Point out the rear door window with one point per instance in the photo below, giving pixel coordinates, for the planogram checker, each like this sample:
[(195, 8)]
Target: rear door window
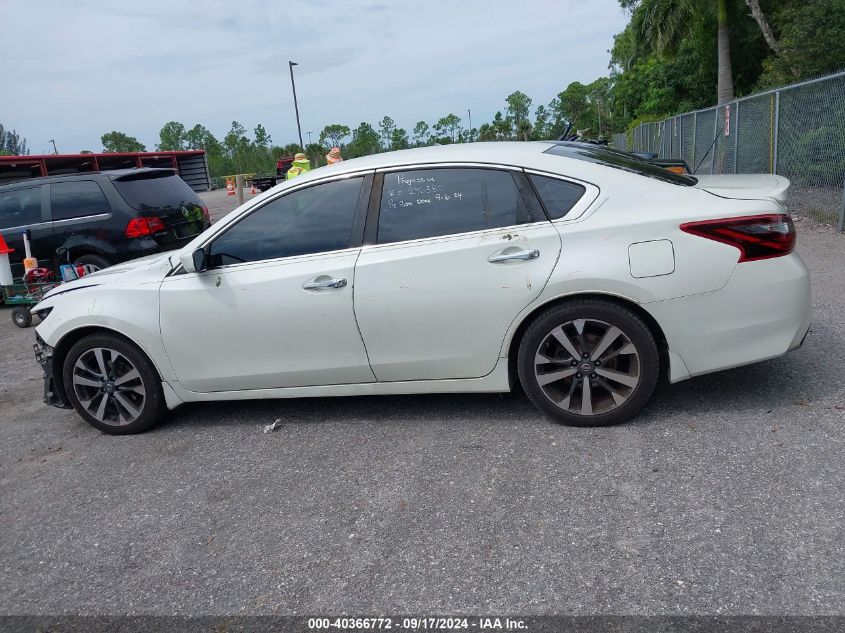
[(148, 191), (77, 199), (20, 207), (558, 196), (422, 203)]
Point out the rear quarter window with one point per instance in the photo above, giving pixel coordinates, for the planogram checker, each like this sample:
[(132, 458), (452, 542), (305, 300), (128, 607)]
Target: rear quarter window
[(148, 191), (558, 196)]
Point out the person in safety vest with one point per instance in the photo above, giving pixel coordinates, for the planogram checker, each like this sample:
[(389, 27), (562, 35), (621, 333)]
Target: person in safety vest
[(334, 156), (300, 165)]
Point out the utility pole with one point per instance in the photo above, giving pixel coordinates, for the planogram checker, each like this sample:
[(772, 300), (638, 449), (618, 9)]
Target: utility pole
[(55, 151), (309, 137), (469, 113), (295, 104)]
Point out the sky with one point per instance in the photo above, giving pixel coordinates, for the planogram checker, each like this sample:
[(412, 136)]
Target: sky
[(75, 69)]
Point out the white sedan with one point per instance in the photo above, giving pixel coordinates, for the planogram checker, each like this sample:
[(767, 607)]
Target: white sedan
[(580, 273)]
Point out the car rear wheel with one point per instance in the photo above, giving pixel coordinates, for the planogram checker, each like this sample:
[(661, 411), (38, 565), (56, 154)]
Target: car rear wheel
[(588, 363), (112, 385), (96, 262)]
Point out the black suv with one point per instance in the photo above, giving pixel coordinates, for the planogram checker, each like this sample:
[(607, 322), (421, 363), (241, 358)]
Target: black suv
[(99, 218)]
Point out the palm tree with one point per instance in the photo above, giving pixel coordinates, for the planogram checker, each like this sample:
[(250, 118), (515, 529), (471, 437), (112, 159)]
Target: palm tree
[(663, 25)]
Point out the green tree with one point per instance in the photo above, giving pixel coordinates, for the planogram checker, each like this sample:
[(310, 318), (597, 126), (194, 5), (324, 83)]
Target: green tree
[(316, 154), (569, 107), (386, 127), (333, 135), (811, 41), (599, 94), (447, 128), (468, 136), (486, 132), (198, 137), (766, 29), (120, 142), (365, 141), (288, 150), (541, 123), (171, 137), (399, 139), (421, 133), (262, 138), (502, 127), (11, 144), (519, 106), (663, 25), (237, 145)]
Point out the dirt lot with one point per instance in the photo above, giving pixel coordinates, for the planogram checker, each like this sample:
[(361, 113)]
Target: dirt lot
[(725, 495)]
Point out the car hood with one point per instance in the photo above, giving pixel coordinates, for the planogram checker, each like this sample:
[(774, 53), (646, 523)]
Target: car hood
[(746, 186), (148, 262), (143, 269)]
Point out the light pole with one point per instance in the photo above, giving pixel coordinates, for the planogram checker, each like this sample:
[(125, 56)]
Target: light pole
[(469, 113), (295, 104), (55, 151)]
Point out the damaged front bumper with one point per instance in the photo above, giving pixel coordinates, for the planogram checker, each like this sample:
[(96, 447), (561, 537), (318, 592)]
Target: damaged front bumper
[(53, 394)]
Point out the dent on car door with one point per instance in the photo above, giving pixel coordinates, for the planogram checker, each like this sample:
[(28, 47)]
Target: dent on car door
[(274, 309), (24, 209), (457, 253)]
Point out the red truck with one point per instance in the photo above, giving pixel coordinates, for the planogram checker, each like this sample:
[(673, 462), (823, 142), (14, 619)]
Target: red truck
[(268, 182)]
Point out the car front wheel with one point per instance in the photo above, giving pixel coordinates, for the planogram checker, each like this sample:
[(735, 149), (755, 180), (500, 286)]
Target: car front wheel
[(588, 363), (112, 385)]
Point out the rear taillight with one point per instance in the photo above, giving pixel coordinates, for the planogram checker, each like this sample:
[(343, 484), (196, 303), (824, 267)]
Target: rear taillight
[(756, 236), (141, 227), (205, 215)]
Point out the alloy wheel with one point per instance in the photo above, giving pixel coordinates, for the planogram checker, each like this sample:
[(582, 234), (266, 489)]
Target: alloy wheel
[(587, 367), (109, 387)]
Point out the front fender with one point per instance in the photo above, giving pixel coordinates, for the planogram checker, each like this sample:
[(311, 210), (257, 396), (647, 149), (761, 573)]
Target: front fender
[(131, 311)]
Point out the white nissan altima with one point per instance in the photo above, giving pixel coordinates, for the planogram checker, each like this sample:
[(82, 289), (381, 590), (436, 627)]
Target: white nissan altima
[(580, 273)]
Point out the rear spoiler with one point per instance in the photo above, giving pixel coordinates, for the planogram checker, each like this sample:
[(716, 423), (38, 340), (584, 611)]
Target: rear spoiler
[(145, 173)]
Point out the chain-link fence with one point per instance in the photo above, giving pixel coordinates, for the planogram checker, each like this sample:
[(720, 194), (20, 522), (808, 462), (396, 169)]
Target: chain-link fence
[(797, 131)]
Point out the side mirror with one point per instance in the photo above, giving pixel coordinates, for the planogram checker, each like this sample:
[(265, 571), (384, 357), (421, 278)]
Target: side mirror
[(194, 262)]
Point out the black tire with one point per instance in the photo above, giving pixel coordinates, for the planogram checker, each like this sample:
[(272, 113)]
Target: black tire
[(21, 317), (91, 259), (151, 408), (596, 311)]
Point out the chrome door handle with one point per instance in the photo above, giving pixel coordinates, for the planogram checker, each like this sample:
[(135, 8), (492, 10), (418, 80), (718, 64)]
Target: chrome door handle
[(324, 283), (532, 254)]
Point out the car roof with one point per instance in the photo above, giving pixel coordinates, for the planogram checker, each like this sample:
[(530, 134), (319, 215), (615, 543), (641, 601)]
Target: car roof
[(110, 174), (494, 152), (520, 154)]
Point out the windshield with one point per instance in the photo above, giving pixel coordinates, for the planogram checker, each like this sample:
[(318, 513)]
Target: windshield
[(603, 155)]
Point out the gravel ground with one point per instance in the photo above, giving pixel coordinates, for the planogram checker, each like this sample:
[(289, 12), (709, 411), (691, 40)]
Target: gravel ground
[(725, 495)]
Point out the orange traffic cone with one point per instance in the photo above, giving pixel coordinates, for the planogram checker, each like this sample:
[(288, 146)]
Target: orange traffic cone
[(230, 187)]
